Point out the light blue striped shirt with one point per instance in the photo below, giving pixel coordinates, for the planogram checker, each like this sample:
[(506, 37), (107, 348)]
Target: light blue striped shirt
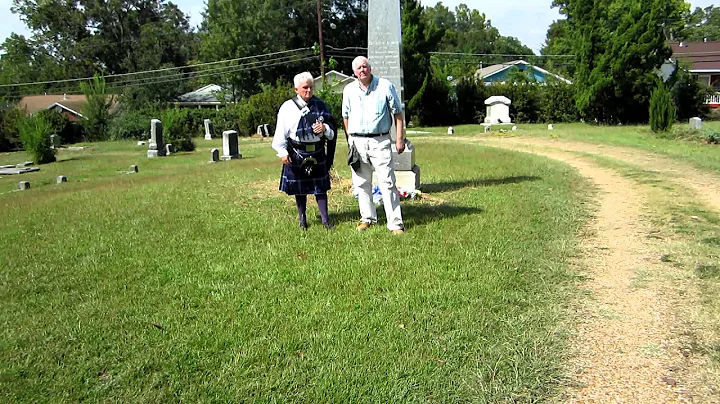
[(370, 111)]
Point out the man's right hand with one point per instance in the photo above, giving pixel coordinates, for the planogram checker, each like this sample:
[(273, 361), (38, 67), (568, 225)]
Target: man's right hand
[(285, 160)]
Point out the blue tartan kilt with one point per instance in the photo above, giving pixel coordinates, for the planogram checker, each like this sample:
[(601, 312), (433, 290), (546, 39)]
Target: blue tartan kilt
[(295, 181)]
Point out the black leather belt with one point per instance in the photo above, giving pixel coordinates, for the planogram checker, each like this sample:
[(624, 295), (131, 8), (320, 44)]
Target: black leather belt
[(370, 134)]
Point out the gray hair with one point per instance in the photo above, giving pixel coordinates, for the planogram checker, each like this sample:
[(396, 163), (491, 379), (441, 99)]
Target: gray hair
[(301, 78), (360, 60)]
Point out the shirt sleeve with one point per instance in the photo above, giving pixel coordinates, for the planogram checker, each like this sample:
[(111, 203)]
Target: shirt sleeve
[(346, 103), (393, 99), (279, 142)]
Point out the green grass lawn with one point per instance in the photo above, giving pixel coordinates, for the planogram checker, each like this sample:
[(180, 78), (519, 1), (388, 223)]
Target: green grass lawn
[(190, 281)]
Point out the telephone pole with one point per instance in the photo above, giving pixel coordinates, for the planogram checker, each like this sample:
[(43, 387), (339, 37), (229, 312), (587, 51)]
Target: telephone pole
[(320, 41)]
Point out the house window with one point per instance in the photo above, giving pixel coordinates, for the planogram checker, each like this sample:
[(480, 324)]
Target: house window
[(715, 82)]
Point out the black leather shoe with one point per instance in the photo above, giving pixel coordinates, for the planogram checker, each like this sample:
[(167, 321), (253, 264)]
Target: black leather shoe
[(303, 225), (329, 226)]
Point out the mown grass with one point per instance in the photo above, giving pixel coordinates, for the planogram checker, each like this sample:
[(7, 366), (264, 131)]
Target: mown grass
[(191, 282), (704, 156)]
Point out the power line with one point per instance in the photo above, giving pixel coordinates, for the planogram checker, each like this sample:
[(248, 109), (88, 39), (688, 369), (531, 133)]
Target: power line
[(497, 54), (190, 75), (153, 71)]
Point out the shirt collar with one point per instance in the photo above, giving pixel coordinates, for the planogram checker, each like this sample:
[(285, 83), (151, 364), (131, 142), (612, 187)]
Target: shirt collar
[(371, 86)]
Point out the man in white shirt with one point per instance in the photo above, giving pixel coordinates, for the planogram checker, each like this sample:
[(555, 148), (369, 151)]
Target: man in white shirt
[(369, 107)]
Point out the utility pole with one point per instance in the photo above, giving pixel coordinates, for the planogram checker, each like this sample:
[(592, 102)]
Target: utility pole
[(320, 41)]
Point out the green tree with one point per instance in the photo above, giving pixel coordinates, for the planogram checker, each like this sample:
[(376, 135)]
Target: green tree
[(618, 46), (96, 111), (703, 24), (558, 42), (662, 111), (78, 38), (418, 41)]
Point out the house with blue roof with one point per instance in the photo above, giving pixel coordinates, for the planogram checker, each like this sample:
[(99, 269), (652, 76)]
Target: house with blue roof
[(501, 73)]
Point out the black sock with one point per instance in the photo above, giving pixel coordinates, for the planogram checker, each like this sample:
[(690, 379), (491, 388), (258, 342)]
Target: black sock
[(301, 202)]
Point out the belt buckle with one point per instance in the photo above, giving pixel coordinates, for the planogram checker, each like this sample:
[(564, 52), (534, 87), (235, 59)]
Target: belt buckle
[(310, 148)]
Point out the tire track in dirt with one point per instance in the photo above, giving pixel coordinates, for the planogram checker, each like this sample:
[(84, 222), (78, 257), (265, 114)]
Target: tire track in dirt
[(627, 346)]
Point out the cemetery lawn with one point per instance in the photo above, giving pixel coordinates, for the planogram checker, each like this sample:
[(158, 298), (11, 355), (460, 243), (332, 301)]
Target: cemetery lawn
[(191, 281), (680, 143)]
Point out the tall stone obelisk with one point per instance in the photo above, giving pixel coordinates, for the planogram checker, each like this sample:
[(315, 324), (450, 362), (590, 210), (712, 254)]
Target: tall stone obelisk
[(384, 47)]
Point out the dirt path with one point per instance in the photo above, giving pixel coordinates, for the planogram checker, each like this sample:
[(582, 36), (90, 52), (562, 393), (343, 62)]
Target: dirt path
[(631, 341)]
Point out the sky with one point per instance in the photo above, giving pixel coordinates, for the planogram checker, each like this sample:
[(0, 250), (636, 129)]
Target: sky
[(527, 20)]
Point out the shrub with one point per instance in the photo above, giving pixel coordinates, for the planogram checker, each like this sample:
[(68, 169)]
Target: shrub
[(9, 128), (97, 109), (662, 111), (430, 105), (176, 129), (35, 134), (558, 103), (712, 137), (688, 95), (261, 108), (69, 131)]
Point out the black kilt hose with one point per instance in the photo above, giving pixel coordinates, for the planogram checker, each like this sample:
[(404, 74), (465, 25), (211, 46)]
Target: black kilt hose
[(296, 179)]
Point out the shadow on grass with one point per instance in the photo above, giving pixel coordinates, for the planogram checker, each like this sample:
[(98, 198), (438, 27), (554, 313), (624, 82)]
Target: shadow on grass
[(452, 186), (413, 214)]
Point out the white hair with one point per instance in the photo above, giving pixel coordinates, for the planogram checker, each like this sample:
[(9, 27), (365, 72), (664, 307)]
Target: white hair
[(302, 78), (360, 60)]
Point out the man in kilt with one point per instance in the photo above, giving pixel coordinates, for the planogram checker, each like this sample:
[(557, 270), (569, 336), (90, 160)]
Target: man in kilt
[(304, 128)]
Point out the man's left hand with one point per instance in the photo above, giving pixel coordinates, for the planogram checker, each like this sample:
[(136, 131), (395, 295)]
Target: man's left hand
[(400, 145)]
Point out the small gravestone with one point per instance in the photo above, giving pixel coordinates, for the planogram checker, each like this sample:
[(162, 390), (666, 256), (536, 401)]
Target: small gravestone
[(451, 130), (60, 179), (24, 164), (266, 130), (140, 143), (23, 185), (169, 149), (155, 148), (209, 129), (214, 155), (696, 123), (134, 168), (550, 127), (497, 110), (230, 145), (260, 131), (406, 160), (55, 141)]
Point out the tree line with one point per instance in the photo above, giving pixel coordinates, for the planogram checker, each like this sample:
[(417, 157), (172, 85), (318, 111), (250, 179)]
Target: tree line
[(149, 54)]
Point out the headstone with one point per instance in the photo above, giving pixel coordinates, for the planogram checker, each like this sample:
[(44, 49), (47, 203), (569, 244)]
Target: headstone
[(696, 123), (451, 130), (214, 155), (550, 127), (266, 130), (155, 148), (55, 142), (498, 109), (230, 145), (134, 168), (141, 143), (169, 149), (60, 179), (384, 43), (514, 127), (23, 185), (260, 131), (406, 160), (209, 129), (24, 164)]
